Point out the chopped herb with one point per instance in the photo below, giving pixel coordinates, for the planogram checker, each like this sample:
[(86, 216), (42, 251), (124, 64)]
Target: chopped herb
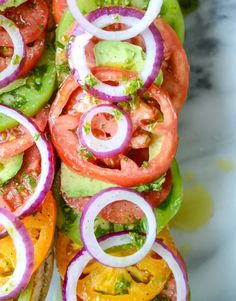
[(85, 153), (66, 38), (117, 114), (117, 18), (18, 100), (124, 105), (85, 88), (102, 3), (87, 127), (134, 102), (20, 188), (154, 186), (137, 240), (24, 175), (133, 85), (41, 27), (63, 67), (36, 136), (94, 101), (152, 126), (32, 182), (60, 45), (122, 286), (90, 80), (145, 164)]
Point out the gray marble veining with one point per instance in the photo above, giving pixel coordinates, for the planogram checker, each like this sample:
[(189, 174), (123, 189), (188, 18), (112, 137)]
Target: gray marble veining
[(207, 134)]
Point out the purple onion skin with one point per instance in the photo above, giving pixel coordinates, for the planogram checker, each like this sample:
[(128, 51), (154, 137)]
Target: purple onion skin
[(26, 276), (80, 253), (2, 2), (109, 154), (50, 177), (176, 258), (131, 12)]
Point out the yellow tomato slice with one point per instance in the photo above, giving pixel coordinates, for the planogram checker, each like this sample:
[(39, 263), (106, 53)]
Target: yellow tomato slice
[(144, 280), (41, 227)]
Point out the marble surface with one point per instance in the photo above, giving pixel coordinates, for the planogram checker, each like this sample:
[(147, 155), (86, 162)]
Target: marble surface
[(207, 135)]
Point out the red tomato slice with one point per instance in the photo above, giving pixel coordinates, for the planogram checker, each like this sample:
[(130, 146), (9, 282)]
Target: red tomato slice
[(17, 140), (31, 17), (63, 127), (124, 212), (175, 66), (58, 8), (16, 192), (34, 52)]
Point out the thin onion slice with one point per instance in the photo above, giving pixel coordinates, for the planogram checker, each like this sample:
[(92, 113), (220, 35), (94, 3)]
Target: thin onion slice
[(77, 55), (47, 162), (138, 27), (92, 209), (105, 148), (24, 256), (82, 258), (11, 72)]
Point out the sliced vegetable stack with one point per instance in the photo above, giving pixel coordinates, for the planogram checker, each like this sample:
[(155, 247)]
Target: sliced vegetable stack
[(122, 76), (27, 207)]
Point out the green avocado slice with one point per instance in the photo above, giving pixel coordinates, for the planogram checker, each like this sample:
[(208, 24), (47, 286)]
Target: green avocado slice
[(119, 54), (34, 92), (69, 220), (9, 167), (11, 3)]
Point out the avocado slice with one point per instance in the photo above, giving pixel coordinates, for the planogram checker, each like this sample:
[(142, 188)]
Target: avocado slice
[(11, 3), (35, 92), (76, 185), (69, 220), (9, 167), (119, 54)]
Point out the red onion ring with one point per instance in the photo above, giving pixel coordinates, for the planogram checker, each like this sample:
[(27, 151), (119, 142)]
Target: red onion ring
[(138, 27), (111, 147), (77, 57), (24, 256), (82, 258), (92, 209), (47, 161), (11, 72)]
